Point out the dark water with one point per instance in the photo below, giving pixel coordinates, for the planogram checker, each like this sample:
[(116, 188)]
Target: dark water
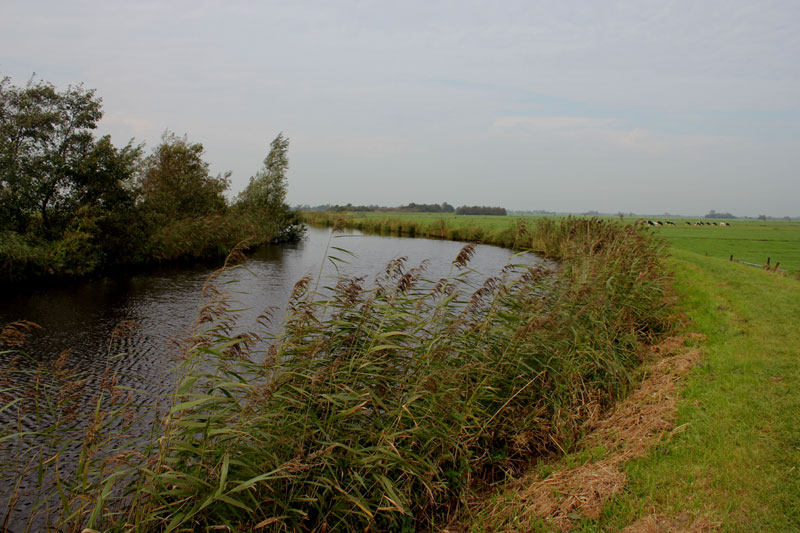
[(164, 302)]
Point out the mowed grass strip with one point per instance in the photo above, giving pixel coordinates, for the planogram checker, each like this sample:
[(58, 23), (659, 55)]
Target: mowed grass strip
[(738, 462)]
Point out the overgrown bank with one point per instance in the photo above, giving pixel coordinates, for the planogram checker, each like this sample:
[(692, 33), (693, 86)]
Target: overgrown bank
[(73, 205), (732, 462), (381, 405)]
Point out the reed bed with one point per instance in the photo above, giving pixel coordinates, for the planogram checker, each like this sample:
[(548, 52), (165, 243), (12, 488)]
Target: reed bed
[(383, 402)]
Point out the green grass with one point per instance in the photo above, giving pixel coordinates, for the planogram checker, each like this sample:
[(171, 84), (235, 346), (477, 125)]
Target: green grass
[(752, 240), (739, 460)]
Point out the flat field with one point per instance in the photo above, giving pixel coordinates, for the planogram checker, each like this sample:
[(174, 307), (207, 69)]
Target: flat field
[(752, 241)]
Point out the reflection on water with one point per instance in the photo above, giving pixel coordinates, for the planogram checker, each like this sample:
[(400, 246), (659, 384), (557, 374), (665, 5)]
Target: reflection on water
[(164, 301)]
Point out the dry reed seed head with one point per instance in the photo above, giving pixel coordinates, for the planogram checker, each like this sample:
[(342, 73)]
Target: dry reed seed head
[(465, 255), (125, 329), (266, 317), (395, 268), (236, 255), (61, 362), (405, 282), (299, 290), (349, 290), (16, 333)]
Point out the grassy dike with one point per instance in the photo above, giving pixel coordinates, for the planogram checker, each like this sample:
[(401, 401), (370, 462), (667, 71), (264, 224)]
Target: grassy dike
[(738, 461), (735, 464)]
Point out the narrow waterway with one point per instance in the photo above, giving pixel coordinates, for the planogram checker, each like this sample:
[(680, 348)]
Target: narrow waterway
[(163, 303)]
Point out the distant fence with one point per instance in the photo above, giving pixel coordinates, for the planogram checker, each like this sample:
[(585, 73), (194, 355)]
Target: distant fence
[(765, 266)]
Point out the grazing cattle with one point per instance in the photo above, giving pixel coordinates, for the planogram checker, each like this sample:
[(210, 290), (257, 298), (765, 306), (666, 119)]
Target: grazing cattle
[(724, 224), (651, 223), (688, 223)]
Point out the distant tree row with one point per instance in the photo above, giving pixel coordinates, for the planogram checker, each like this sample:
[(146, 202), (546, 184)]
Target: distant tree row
[(444, 207), (481, 210), (63, 189), (412, 207), (714, 214)]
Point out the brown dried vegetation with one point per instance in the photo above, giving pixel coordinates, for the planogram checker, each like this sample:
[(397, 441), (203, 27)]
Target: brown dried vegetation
[(630, 430)]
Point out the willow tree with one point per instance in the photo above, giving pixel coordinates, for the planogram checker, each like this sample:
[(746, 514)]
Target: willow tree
[(267, 189), (265, 194)]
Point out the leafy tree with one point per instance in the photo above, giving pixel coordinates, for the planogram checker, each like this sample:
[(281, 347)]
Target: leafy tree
[(267, 189), (175, 181), (480, 210), (106, 194), (265, 195), (44, 137), (714, 214)]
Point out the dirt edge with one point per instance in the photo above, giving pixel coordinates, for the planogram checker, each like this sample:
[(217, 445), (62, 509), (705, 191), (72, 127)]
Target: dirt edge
[(630, 430)]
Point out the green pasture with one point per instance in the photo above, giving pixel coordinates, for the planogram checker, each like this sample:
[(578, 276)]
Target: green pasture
[(753, 241)]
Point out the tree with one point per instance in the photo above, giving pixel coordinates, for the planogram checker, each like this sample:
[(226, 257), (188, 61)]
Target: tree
[(265, 195), (105, 193), (267, 189), (44, 136), (175, 181)]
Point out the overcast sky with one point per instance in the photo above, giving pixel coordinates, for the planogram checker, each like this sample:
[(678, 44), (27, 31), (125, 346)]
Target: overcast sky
[(649, 106)]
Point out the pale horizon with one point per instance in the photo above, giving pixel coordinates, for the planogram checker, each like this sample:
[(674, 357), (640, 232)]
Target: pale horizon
[(677, 107)]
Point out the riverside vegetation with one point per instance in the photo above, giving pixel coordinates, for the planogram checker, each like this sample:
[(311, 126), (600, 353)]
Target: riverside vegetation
[(381, 405), (732, 462), (73, 205)]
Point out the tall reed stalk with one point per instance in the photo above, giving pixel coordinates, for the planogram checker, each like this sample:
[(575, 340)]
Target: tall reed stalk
[(382, 403)]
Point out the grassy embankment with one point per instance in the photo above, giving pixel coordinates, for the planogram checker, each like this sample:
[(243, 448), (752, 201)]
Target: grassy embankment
[(378, 407), (736, 462)]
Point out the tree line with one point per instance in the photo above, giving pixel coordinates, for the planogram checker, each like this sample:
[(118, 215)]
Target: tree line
[(412, 207), (72, 203)]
